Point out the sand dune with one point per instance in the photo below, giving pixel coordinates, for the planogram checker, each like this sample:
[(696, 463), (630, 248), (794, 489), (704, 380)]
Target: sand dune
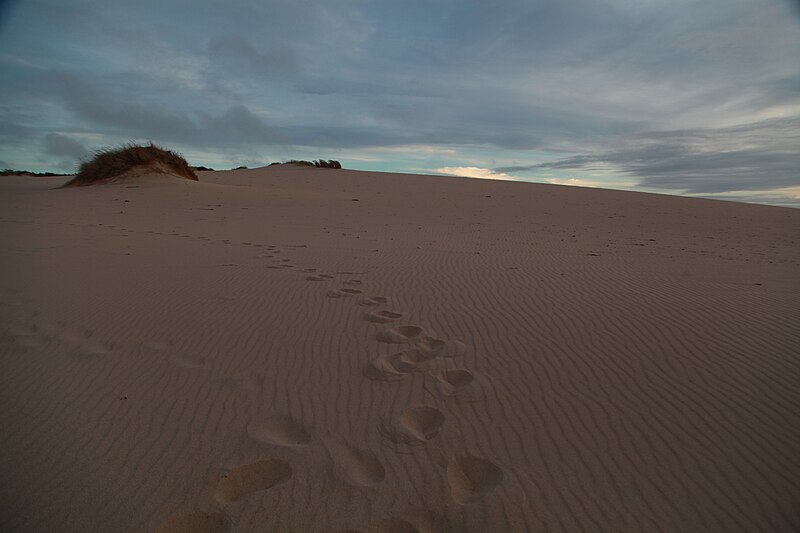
[(258, 352)]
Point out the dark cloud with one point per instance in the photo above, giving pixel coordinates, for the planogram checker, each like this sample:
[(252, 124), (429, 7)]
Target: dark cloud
[(64, 146), (12, 132), (236, 125), (759, 156), (237, 53)]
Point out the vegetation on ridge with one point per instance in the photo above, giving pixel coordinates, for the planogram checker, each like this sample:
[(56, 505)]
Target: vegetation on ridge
[(319, 163), (110, 163)]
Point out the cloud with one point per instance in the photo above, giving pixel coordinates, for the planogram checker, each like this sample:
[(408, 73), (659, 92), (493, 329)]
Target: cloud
[(474, 172), (143, 118), (574, 182), (758, 156), (11, 131), (564, 84), (238, 51), (64, 146)]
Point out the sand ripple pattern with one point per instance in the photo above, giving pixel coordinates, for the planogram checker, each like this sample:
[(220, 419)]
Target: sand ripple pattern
[(633, 358)]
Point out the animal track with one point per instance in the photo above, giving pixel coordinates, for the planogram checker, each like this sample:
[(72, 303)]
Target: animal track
[(471, 477), (252, 477), (423, 422), (399, 335), (279, 430), (199, 522)]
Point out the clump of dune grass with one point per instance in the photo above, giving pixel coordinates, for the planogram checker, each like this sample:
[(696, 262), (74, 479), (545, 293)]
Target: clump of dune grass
[(319, 163), (109, 164)]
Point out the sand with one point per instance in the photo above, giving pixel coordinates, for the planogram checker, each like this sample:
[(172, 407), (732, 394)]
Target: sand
[(299, 349)]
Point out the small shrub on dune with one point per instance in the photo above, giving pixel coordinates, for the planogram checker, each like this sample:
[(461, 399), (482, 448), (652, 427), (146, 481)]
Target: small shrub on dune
[(327, 164), (320, 163), (112, 163)]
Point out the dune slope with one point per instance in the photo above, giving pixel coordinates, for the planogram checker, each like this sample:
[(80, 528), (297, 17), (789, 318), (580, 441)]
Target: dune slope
[(294, 349)]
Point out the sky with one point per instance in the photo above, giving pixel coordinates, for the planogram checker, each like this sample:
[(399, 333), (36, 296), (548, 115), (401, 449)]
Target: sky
[(688, 97)]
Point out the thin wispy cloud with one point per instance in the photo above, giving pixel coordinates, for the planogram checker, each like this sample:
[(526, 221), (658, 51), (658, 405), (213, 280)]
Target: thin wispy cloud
[(474, 172), (750, 157)]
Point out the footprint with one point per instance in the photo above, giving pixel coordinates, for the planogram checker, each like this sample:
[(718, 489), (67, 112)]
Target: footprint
[(353, 282), (315, 278), (199, 522), (454, 381), (341, 293), (453, 349), (427, 348), (374, 300), (399, 335), (279, 430), (431, 345), (252, 477), (423, 422), (382, 317), (471, 477), (357, 467), (336, 293), (388, 368)]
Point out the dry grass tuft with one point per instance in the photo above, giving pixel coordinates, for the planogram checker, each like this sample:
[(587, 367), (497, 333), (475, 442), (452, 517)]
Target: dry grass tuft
[(112, 163), (320, 163)]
